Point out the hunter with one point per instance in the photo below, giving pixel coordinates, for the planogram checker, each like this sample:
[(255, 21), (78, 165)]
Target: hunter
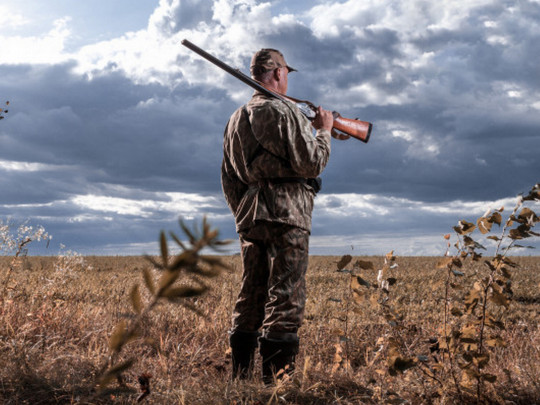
[(271, 163)]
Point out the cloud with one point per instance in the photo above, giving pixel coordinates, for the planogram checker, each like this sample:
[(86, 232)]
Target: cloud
[(108, 142), (10, 19), (48, 49)]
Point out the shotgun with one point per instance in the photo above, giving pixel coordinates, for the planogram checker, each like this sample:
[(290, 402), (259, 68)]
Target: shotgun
[(343, 128)]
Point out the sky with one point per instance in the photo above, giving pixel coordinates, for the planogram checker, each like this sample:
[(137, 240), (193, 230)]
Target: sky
[(114, 130)]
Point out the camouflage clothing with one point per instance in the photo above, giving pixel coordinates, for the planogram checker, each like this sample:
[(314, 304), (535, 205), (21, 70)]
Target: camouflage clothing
[(269, 151), (273, 292), (276, 142)]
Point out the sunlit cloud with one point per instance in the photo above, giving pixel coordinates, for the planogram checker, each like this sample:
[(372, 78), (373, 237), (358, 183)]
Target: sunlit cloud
[(46, 49), (186, 205)]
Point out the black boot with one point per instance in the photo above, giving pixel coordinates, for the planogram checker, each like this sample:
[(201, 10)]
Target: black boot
[(277, 355), (243, 345)]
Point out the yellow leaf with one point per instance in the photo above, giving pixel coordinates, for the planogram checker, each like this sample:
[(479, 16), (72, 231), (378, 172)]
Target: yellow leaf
[(365, 265), (118, 336), (176, 293), (149, 281), (444, 263), (112, 373), (484, 225), (136, 300), (496, 342), (167, 279), (358, 297), (164, 249), (499, 298)]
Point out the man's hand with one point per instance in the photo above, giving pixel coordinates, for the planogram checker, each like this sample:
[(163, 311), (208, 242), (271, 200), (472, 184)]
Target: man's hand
[(323, 120)]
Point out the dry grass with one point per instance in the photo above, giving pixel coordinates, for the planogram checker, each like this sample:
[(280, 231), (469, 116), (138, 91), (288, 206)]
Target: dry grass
[(55, 327)]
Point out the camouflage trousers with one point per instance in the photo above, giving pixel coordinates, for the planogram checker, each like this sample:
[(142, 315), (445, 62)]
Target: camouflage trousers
[(273, 293)]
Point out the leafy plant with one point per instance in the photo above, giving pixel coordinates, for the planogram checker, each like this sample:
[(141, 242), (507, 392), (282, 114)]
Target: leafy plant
[(473, 320), (15, 243), (182, 277), (474, 307)]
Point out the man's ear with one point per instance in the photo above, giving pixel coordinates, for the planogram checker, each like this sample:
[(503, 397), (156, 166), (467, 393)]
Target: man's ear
[(277, 74)]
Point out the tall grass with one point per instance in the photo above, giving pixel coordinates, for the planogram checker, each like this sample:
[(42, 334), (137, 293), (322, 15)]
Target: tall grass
[(377, 330)]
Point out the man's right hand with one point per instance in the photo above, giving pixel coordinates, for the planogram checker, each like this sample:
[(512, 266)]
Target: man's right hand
[(323, 120)]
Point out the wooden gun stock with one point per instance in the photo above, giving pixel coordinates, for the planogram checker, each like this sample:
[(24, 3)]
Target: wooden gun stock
[(360, 130), (342, 128)]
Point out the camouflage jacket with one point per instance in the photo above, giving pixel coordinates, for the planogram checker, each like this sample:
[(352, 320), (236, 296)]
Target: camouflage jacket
[(270, 139)]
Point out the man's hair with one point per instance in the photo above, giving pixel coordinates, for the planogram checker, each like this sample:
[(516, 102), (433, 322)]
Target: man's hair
[(264, 76)]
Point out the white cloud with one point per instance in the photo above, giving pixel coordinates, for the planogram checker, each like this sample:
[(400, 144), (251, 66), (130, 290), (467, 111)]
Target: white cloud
[(408, 18), (10, 18), (403, 244), (9, 165), (369, 205), (156, 55), (186, 205), (46, 49)]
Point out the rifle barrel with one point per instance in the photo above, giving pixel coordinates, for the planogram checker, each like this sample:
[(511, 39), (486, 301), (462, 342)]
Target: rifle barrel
[(360, 130), (235, 72)]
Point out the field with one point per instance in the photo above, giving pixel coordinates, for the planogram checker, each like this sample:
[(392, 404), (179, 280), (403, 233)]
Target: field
[(56, 323)]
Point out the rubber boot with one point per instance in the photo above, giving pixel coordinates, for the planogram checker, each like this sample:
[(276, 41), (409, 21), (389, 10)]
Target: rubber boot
[(278, 358), (243, 346)]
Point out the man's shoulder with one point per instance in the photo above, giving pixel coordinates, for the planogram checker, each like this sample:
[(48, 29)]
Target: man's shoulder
[(263, 105)]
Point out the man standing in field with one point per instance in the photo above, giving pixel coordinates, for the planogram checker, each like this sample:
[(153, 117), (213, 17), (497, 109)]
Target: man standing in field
[(270, 165)]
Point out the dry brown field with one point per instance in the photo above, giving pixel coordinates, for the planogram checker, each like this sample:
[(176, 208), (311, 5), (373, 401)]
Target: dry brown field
[(55, 325)]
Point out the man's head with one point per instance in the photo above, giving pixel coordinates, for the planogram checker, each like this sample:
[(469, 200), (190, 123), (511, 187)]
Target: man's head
[(268, 66)]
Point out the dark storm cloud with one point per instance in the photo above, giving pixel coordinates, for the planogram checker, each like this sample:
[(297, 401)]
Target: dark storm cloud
[(114, 131), (103, 137), (454, 108), (457, 107)]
